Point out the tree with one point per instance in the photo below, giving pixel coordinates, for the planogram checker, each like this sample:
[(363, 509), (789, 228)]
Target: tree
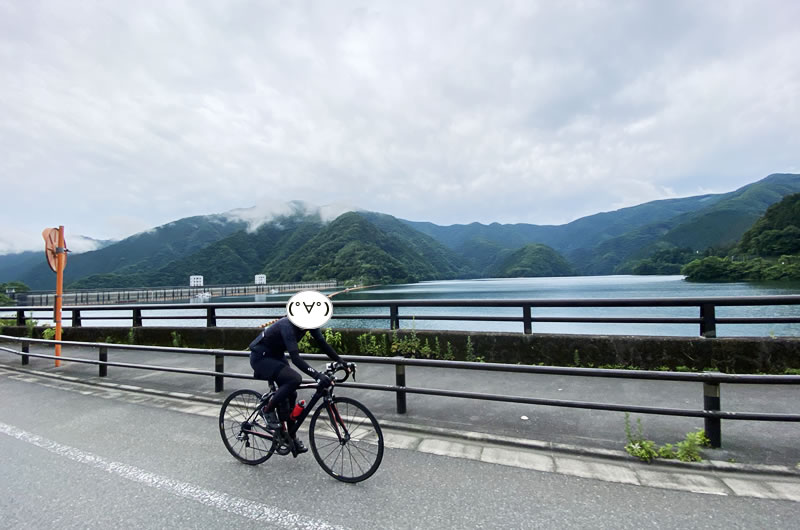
[(16, 287)]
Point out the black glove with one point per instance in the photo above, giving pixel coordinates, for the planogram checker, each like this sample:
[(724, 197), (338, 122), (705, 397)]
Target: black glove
[(323, 380)]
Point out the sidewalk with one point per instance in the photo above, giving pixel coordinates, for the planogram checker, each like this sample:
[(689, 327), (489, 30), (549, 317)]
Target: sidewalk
[(745, 444)]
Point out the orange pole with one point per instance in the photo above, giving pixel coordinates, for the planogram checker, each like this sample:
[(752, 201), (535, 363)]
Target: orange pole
[(60, 262)]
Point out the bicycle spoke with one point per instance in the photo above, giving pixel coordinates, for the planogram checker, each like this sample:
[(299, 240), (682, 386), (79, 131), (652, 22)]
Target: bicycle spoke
[(333, 464), (329, 428), (367, 429), (352, 459), (234, 436), (359, 456), (240, 409), (335, 447), (333, 442), (362, 451), (352, 471), (346, 440)]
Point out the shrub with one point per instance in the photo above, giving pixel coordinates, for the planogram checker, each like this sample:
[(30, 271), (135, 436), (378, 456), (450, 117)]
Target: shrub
[(177, 340), (687, 450), (334, 338), (637, 445)]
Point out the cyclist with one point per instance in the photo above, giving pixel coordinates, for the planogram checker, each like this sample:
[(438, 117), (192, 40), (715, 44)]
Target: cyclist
[(269, 364)]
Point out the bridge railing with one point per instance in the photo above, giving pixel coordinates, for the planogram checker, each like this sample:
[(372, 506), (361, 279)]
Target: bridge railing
[(529, 312), (165, 293), (710, 381)]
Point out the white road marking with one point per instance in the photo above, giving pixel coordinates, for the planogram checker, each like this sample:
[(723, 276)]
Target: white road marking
[(222, 501), (701, 483)]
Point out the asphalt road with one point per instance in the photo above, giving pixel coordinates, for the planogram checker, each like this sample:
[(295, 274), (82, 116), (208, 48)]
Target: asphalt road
[(747, 442), (69, 460)]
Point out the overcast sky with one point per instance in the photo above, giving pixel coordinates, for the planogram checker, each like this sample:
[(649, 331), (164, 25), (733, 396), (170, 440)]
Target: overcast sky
[(116, 117)]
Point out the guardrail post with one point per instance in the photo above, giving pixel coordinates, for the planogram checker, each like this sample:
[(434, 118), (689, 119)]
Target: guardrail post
[(103, 358), (25, 349), (712, 426), (527, 328), (400, 382), (708, 324), (219, 367), (20, 317), (76, 318), (211, 318), (137, 318), (394, 319)]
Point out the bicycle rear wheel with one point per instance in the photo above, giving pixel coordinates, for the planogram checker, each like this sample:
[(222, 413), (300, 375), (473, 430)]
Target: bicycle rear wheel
[(346, 440), (243, 429)]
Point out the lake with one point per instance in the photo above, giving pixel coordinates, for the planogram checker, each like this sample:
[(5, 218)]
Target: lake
[(582, 287)]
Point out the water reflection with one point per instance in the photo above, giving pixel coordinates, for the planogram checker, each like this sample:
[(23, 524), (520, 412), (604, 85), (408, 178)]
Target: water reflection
[(585, 287)]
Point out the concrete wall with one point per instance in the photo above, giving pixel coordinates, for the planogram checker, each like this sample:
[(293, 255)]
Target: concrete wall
[(732, 355)]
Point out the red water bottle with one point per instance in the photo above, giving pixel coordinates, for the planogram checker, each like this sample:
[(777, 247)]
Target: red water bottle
[(298, 408)]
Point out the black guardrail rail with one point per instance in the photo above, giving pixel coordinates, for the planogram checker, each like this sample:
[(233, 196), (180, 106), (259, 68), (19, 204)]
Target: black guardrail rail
[(403, 310), (710, 381)]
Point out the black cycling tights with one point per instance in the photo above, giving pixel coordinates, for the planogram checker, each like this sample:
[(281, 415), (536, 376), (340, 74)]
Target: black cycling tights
[(287, 380)]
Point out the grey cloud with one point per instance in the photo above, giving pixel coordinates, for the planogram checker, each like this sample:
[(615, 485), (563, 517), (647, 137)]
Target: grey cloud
[(138, 114)]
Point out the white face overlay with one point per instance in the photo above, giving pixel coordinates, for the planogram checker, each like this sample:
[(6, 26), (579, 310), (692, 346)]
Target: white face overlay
[(309, 309)]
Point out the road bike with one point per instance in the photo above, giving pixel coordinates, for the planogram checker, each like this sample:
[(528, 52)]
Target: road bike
[(345, 437)]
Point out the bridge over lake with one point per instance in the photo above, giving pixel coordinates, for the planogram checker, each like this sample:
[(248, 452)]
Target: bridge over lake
[(161, 294)]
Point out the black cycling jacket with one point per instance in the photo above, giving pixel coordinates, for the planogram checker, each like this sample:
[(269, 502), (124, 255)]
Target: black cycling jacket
[(283, 336)]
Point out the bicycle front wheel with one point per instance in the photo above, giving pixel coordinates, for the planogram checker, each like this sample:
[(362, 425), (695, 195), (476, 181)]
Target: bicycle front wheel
[(243, 430), (346, 439)]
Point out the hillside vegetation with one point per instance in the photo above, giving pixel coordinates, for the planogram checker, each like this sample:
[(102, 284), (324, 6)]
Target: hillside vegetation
[(718, 225), (615, 242), (135, 255), (769, 250), (534, 260)]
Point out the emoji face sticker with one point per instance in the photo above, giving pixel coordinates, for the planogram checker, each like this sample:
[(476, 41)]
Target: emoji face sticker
[(309, 309)]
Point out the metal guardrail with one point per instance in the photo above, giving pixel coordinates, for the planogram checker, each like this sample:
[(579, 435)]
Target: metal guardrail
[(706, 319), (711, 381)]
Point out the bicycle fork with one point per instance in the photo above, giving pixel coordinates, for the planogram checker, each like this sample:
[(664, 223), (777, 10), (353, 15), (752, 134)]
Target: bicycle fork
[(338, 425)]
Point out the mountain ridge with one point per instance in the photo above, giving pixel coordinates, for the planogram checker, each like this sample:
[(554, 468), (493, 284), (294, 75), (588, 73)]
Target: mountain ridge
[(277, 240)]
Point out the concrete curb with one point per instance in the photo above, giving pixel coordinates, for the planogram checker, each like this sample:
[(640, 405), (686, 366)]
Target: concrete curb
[(708, 466)]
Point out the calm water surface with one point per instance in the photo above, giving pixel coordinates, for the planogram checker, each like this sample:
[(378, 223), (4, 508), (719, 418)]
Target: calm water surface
[(583, 287), (580, 287)]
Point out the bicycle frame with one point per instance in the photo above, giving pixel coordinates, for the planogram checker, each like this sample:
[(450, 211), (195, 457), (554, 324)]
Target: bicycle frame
[(325, 394), (292, 426), (335, 440)]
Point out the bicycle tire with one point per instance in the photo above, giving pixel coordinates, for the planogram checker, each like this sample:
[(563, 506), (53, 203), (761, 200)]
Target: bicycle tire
[(247, 448), (355, 458)]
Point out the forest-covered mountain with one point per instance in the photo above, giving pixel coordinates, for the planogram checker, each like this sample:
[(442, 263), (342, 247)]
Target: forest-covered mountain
[(614, 242), (717, 226), (302, 244), (360, 246), (17, 265), (146, 251), (769, 250), (532, 260)]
